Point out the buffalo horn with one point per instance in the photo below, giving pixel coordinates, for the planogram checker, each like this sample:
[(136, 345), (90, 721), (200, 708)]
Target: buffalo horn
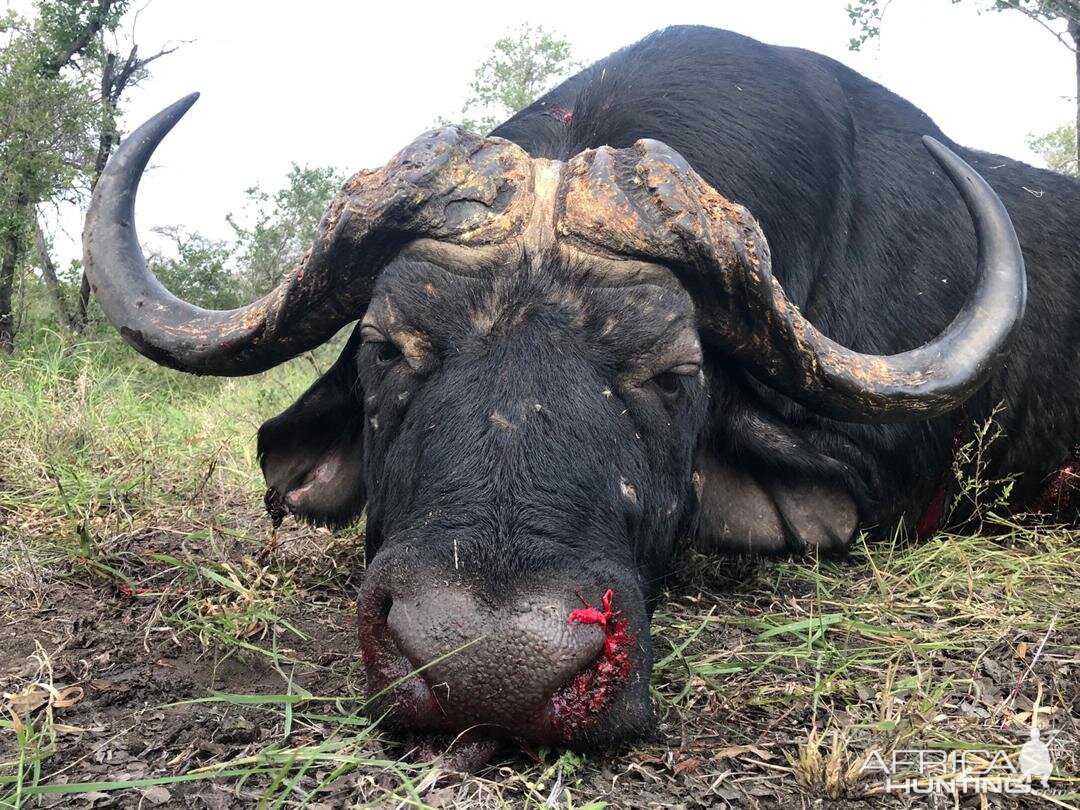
[(448, 185), (647, 202)]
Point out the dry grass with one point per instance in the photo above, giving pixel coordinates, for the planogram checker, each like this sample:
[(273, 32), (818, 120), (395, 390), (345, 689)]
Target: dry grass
[(156, 652)]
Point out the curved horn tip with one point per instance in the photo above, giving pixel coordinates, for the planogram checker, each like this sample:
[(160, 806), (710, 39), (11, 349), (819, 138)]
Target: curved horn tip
[(142, 142), (946, 157), (168, 330), (181, 106), (166, 119)]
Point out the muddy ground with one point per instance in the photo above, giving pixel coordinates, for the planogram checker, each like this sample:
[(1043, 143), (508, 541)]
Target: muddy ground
[(115, 665)]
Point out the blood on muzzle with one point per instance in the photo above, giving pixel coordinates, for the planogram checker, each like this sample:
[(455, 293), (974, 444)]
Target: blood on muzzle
[(541, 666)]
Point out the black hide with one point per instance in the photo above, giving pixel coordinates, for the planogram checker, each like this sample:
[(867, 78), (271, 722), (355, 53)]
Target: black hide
[(536, 427), (867, 237)]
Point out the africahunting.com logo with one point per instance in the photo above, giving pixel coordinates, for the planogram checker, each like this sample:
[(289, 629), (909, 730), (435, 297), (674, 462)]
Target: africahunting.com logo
[(971, 770)]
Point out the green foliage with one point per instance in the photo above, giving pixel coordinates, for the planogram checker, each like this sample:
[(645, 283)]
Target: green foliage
[(199, 271), (284, 226), (49, 120), (979, 498), (47, 125), (93, 423), (866, 15), (1058, 149), (522, 66), (68, 28), (48, 107)]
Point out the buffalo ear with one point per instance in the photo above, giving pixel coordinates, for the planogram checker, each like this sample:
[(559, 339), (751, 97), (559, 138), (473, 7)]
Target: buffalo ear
[(312, 454), (735, 513), (760, 511)]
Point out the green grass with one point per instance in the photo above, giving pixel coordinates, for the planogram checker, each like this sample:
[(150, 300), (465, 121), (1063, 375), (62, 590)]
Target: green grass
[(95, 426), (886, 649), (132, 491)]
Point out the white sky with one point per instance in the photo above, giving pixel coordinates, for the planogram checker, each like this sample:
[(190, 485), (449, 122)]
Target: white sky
[(349, 83)]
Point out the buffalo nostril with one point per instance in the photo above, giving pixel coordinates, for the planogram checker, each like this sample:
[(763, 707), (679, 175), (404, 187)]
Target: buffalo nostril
[(428, 628), (374, 611), (387, 668), (486, 664)]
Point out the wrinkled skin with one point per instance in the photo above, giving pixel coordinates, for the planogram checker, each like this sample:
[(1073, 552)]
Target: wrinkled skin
[(529, 433), (533, 427)]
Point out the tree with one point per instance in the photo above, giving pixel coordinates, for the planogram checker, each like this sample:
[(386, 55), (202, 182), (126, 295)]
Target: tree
[(866, 16), (199, 272), (45, 121), (52, 282), (1058, 149), (284, 226), (522, 66), (59, 90)]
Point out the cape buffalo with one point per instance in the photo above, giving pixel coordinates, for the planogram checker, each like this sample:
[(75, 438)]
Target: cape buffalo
[(576, 348)]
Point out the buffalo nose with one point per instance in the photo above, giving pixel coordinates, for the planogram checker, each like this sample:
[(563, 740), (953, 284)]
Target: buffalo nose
[(498, 665)]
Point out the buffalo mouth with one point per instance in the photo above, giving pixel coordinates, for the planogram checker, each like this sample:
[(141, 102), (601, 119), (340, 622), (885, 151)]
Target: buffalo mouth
[(555, 686)]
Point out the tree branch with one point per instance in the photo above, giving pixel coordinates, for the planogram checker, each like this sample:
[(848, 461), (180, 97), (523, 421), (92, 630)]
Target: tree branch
[(52, 283), (131, 68), (79, 43)]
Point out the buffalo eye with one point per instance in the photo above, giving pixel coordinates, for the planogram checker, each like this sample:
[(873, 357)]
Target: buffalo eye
[(668, 385), (386, 353)]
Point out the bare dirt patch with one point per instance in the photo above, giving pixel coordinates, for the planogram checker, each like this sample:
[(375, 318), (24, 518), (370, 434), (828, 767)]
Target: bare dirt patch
[(181, 665)]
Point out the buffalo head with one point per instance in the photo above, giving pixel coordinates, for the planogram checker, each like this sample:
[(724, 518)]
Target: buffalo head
[(520, 406)]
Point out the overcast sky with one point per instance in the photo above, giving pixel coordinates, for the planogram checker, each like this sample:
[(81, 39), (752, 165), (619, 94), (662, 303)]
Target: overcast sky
[(349, 83)]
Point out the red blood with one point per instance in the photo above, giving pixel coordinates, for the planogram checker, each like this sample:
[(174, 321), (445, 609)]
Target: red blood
[(934, 514), (1059, 492), (558, 113), (608, 620), (931, 519), (582, 702)]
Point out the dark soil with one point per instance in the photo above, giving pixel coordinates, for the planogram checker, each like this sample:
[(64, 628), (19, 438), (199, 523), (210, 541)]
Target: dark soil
[(138, 673)]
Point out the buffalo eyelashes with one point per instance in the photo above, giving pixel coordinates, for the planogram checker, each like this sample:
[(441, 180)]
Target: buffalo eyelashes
[(386, 353), (669, 384)]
